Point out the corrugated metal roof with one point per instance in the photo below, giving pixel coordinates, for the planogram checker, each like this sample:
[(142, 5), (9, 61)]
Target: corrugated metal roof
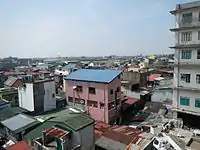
[(90, 75), (19, 122), (19, 146), (10, 81), (37, 132)]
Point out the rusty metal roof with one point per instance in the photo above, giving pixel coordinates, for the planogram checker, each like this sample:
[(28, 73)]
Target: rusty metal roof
[(101, 127), (122, 134), (55, 132)]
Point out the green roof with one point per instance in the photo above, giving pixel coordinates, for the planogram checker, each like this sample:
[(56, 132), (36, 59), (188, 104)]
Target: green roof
[(37, 132), (6, 113), (65, 119), (69, 66)]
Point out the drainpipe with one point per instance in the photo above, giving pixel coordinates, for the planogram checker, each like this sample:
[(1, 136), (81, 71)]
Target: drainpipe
[(178, 82)]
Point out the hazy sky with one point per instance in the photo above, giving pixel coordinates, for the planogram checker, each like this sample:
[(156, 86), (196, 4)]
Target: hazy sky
[(44, 28)]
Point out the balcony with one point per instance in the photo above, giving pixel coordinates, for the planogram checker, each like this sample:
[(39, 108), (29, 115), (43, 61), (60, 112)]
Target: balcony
[(194, 21)]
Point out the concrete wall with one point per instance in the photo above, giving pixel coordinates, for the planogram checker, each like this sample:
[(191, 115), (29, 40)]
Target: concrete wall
[(192, 71), (26, 99), (102, 96), (50, 96), (84, 138), (195, 16), (131, 76)]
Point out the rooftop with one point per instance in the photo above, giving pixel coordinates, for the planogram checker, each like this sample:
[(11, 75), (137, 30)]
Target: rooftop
[(65, 118), (19, 122), (186, 6), (19, 146), (90, 75), (10, 81)]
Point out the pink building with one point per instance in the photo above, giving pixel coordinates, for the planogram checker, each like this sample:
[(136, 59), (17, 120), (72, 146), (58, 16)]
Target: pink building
[(98, 91)]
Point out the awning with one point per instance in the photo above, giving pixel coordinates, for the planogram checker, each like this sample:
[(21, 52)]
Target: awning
[(159, 78)]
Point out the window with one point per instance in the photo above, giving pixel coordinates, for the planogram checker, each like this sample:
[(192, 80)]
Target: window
[(102, 105), (185, 77), (111, 92), (198, 54), (111, 105), (186, 54), (198, 78), (92, 90), (184, 101), (70, 99), (186, 36), (53, 95), (92, 103), (80, 101), (79, 88), (187, 18), (198, 35), (118, 89), (197, 102)]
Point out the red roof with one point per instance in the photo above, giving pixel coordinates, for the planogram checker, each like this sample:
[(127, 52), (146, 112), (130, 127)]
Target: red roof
[(19, 146), (153, 77), (8, 73), (101, 127), (131, 100)]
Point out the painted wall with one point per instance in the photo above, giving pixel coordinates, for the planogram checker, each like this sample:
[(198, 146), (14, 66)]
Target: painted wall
[(50, 96), (102, 95), (26, 97)]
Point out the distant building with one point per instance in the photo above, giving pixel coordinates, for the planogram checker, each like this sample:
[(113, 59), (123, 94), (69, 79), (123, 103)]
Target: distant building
[(96, 91), (186, 96), (37, 96), (23, 69), (131, 80)]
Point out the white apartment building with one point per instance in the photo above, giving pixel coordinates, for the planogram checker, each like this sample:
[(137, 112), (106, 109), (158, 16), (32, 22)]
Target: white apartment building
[(37, 96), (186, 93)]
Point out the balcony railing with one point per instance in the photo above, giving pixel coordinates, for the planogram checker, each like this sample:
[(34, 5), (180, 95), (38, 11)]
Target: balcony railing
[(193, 22)]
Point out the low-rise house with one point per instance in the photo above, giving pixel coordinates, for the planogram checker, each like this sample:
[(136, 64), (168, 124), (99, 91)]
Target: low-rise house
[(12, 82), (67, 129), (96, 91), (37, 96), (16, 126)]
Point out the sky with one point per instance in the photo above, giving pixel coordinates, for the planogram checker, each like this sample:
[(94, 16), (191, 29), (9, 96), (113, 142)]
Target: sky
[(49, 28)]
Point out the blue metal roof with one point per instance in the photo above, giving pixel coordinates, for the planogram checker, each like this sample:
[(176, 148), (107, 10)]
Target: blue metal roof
[(91, 75)]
